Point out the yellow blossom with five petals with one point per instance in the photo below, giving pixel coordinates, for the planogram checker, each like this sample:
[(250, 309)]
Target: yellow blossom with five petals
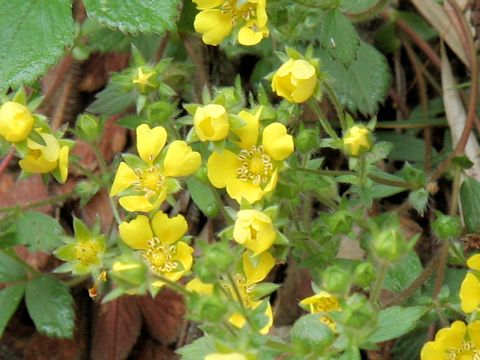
[(252, 171), (295, 80), (145, 183), (158, 242), (217, 19), (457, 342), (254, 230), (357, 140), (16, 121), (44, 158)]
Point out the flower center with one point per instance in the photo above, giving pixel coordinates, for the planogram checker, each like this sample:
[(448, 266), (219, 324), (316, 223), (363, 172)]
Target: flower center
[(468, 351), (243, 289), (151, 181), (35, 153), (256, 166), (160, 256), (324, 305), (86, 252), (239, 9)]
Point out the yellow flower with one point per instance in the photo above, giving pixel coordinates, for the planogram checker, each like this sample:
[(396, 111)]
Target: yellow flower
[(295, 80), (458, 342), (218, 17), (252, 171), (254, 272), (211, 122), (322, 302), (357, 140), (16, 121), (144, 183), (143, 80), (230, 356), (84, 253), (470, 288), (198, 286), (41, 159), (158, 242), (254, 230)]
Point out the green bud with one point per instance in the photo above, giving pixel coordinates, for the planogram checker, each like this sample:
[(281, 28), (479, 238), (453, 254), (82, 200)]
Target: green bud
[(389, 245), (89, 127), (358, 312), (201, 174), (340, 222), (446, 227), (336, 280), (307, 140), (364, 274), (129, 272)]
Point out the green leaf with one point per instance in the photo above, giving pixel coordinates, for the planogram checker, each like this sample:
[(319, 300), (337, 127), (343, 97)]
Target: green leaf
[(33, 35), (406, 147), (357, 6), (38, 231), (403, 273), (10, 269), (418, 199), (50, 306), (133, 16), (339, 37), (396, 321), (363, 84), (197, 349), (112, 100), (203, 196), (311, 335), (470, 199), (9, 299)]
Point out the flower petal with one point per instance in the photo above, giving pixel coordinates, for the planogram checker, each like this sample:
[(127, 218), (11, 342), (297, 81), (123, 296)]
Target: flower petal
[(222, 168), (277, 143), (248, 133), (214, 25), (181, 160), (137, 203), (150, 142), (124, 178), (136, 233), (63, 163), (207, 4), (470, 293), (168, 230), (198, 286), (474, 262), (249, 191), (257, 268)]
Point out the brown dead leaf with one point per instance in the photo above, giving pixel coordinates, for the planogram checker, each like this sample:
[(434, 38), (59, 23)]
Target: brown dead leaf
[(97, 69), (42, 347), (99, 207), (151, 350), (23, 192), (113, 140), (38, 260), (163, 315), (116, 328)]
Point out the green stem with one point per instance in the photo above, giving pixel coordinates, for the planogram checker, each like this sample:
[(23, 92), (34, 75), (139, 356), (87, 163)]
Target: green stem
[(173, 285), (362, 170), (37, 204), (115, 212), (219, 202), (455, 191), (239, 299), (87, 172), (375, 294), (336, 103), (323, 121), (277, 345)]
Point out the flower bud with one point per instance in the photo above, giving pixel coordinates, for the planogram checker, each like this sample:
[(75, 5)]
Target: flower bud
[(88, 127), (295, 80), (254, 230), (129, 272), (446, 227), (307, 140), (336, 280), (211, 122), (340, 222), (145, 80), (16, 121), (357, 140), (364, 274), (389, 245)]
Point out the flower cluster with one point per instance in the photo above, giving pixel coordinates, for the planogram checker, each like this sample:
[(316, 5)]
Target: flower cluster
[(41, 150), (218, 18)]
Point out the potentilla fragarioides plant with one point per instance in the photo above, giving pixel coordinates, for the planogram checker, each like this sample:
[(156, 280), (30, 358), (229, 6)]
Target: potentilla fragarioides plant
[(259, 174)]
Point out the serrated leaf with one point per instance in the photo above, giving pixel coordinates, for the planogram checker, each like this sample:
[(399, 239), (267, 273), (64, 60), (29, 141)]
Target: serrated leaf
[(111, 100), (38, 231), (50, 306), (197, 349), (9, 299), (406, 147), (203, 196), (363, 84), (470, 200), (33, 36), (10, 269), (403, 273), (339, 37), (389, 327), (134, 16)]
